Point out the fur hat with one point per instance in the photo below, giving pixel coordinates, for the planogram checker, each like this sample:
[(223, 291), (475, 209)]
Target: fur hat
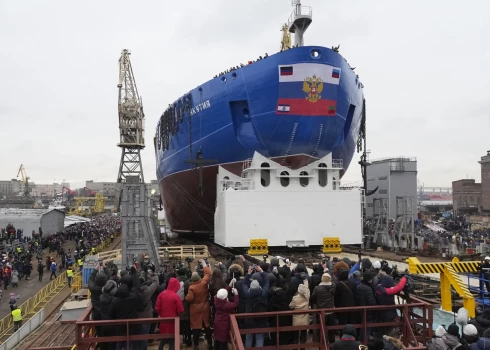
[(470, 330), (110, 287), (440, 331), (195, 277), (255, 286), (222, 294), (326, 278)]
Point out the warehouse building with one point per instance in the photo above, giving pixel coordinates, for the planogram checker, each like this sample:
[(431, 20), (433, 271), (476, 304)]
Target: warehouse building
[(50, 221)]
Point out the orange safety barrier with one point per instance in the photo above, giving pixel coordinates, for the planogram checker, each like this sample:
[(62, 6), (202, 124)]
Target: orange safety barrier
[(406, 322)]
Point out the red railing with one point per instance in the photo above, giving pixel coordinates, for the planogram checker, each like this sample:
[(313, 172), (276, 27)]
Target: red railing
[(86, 331), (406, 322)]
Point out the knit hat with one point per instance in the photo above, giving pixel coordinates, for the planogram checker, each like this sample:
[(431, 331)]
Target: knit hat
[(357, 275), (222, 294), (377, 264), (123, 272), (470, 330), (366, 263), (110, 287), (347, 261), (195, 277), (440, 331), (453, 329), (255, 285), (326, 278), (349, 330)]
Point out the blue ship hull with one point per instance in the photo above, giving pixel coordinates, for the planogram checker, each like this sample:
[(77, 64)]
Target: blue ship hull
[(230, 117)]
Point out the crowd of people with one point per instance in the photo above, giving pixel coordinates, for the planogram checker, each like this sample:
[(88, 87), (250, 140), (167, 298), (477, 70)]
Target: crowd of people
[(241, 65), (204, 298), (50, 253)]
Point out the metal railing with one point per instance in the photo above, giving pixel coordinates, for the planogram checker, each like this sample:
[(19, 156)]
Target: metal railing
[(241, 185), (46, 294), (407, 320), (337, 163), (86, 331), (298, 12)]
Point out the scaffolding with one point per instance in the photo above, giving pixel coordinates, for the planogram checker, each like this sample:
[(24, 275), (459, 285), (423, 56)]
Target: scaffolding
[(403, 230), (378, 234)]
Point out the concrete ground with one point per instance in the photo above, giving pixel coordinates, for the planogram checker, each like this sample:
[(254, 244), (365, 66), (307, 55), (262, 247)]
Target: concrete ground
[(27, 289)]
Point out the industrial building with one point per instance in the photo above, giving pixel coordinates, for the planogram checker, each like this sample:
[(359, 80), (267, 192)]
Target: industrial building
[(485, 183), (392, 178), (48, 190), (50, 221), (466, 196), (12, 188)]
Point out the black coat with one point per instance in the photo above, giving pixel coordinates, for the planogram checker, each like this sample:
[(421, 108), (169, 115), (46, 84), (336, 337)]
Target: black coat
[(365, 296), (323, 296), (315, 279), (346, 345), (96, 281), (126, 304), (481, 323)]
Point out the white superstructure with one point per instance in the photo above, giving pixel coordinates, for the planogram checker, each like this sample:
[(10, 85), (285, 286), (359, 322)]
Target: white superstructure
[(287, 207)]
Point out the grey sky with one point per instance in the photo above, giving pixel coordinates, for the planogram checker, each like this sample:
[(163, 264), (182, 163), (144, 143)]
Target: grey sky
[(425, 66)]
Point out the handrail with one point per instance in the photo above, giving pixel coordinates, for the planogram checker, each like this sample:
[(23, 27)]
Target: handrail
[(86, 330), (406, 321), (30, 305)]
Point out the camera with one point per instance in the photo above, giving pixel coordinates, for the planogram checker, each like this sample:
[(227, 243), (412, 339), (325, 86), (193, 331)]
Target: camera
[(265, 256), (189, 259)]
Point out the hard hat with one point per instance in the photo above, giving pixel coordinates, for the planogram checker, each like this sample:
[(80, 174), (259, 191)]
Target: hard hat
[(487, 258)]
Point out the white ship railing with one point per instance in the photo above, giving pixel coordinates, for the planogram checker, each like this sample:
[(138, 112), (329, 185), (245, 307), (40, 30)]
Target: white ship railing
[(302, 11), (337, 163)]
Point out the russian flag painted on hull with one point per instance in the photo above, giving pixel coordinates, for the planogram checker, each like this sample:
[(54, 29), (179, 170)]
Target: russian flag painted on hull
[(308, 89)]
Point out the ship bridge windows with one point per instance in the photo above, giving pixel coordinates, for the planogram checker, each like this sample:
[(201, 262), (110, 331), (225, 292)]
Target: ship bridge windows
[(265, 174), (304, 179), (322, 175), (284, 178)]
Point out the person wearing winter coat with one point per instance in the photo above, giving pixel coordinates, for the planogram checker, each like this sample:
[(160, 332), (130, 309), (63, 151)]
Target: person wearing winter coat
[(297, 280), (125, 305), (278, 302), (345, 292), (482, 322), (470, 334), (169, 304), (301, 301), (96, 281), (105, 300), (198, 298), (185, 325), (365, 296), (393, 341), (146, 291), (323, 297), (348, 339), (15, 278), (224, 307), (256, 296), (316, 277), (483, 343), (385, 295), (448, 341)]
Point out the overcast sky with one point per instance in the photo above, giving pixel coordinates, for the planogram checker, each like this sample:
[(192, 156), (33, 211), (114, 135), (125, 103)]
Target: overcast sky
[(425, 66)]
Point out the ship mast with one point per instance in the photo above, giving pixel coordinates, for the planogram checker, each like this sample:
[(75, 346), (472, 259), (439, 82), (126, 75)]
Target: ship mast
[(299, 21)]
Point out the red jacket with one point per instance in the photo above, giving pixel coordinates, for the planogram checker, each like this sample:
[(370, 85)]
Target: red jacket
[(169, 305), (222, 320)]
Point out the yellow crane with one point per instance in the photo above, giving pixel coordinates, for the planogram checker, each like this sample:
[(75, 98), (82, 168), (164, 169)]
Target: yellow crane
[(25, 179)]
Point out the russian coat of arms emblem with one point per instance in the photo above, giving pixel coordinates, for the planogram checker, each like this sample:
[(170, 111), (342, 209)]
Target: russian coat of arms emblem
[(313, 87)]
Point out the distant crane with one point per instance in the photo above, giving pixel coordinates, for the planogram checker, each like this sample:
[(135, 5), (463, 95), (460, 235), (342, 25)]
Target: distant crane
[(92, 192), (131, 126), (68, 192), (25, 179)]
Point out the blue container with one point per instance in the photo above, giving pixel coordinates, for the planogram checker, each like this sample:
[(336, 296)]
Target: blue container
[(87, 271)]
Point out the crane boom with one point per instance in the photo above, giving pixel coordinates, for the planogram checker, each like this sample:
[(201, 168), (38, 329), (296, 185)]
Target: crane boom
[(130, 107), (25, 179)]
